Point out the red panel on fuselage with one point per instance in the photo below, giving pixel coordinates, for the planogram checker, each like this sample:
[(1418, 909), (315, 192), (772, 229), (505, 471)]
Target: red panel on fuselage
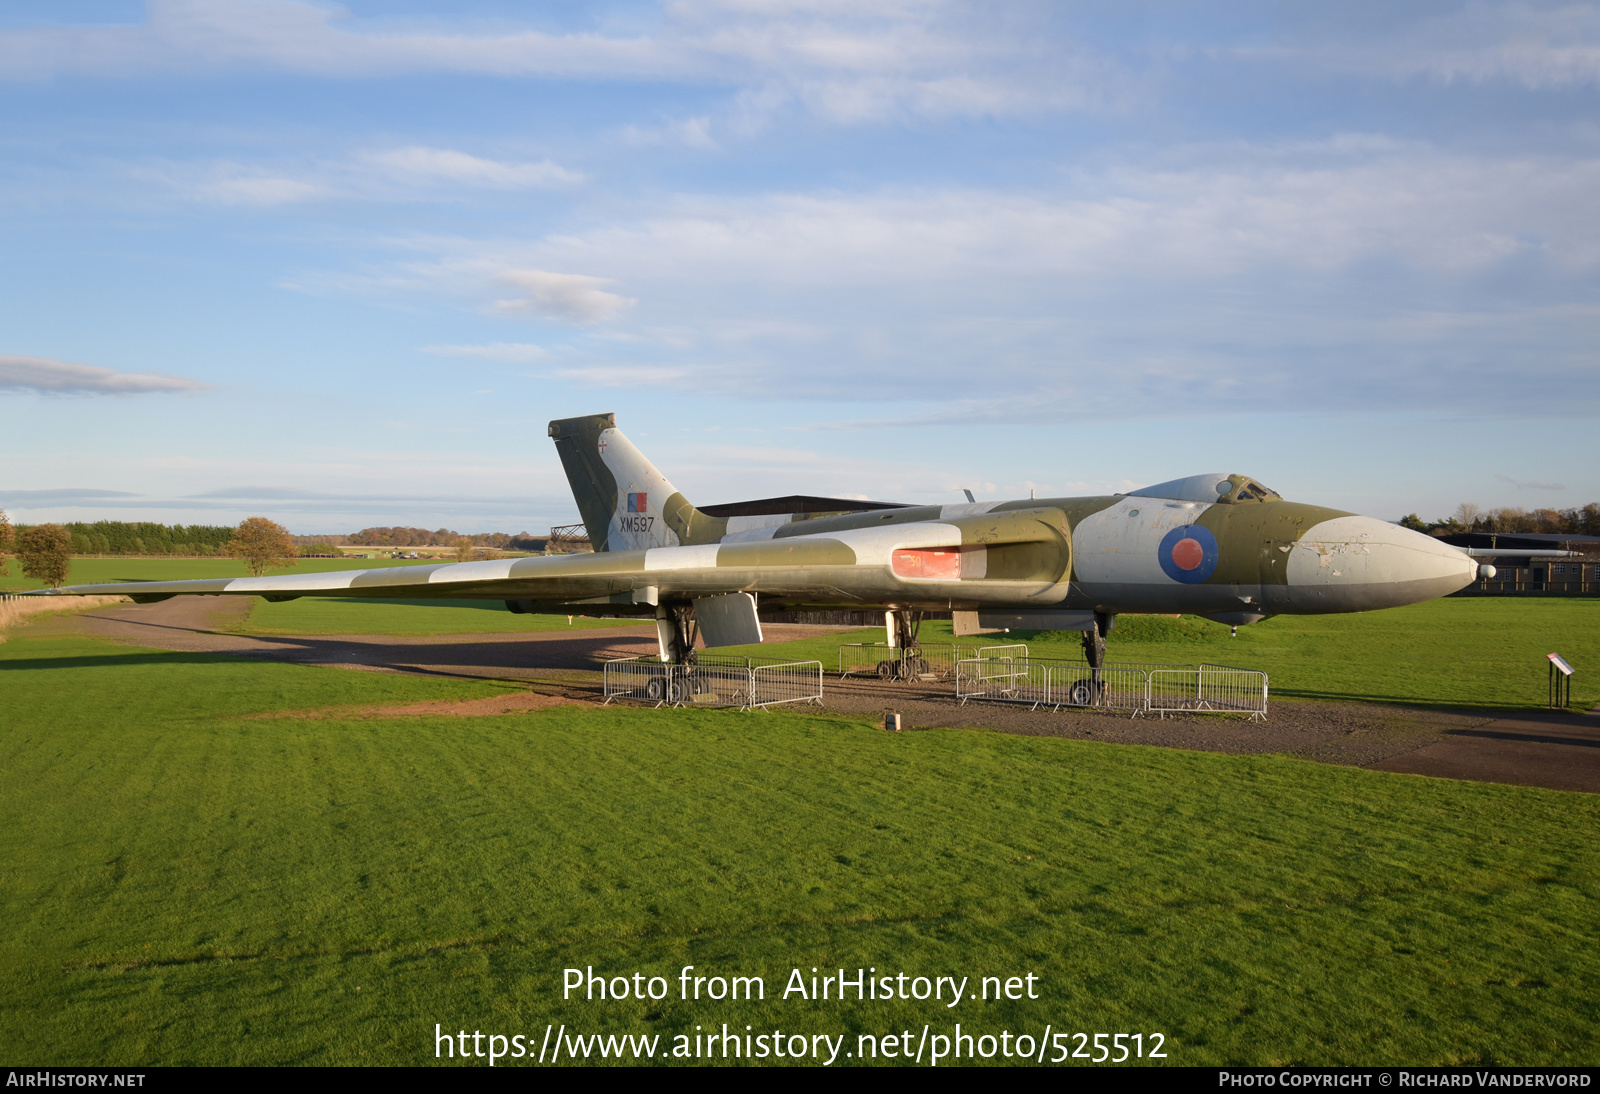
[(940, 562)]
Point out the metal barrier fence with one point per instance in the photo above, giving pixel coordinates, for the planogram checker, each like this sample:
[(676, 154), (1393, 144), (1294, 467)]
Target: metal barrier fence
[(713, 681), (646, 681), (936, 661), (786, 682), (1208, 688), (1136, 688)]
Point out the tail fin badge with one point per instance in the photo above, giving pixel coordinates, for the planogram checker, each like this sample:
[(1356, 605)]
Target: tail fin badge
[(639, 503)]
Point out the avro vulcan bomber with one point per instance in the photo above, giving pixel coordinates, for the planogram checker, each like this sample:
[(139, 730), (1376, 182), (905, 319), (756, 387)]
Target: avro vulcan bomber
[(1222, 546)]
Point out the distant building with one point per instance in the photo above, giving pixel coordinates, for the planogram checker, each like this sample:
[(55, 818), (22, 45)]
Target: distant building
[(1521, 575)]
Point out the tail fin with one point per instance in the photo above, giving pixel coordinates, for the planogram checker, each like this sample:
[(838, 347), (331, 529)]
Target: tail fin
[(625, 502)]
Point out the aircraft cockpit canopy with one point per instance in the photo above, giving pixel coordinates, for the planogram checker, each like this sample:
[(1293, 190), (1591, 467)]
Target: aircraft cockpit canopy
[(1224, 489)]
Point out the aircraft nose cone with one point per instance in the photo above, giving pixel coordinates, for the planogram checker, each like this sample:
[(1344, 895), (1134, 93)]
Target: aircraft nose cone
[(1358, 564)]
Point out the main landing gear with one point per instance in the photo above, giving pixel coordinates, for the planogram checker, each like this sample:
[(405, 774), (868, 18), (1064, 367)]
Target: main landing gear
[(908, 664), (676, 632)]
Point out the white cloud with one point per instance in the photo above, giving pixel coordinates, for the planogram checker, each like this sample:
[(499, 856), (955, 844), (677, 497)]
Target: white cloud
[(848, 63), (1228, 210), (407, 174), (1536, 46), (1531, 484), (45, 376), (515, 353), (570, 298), (420, 164), (625, 375), (1336, 272), (231, 184), (688, 132)]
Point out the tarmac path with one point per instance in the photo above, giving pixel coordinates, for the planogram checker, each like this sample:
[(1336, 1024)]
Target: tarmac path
[(1556, 750)]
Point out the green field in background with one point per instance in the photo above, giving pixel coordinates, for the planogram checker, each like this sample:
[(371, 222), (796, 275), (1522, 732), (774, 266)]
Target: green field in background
[(1455, 652), (348, 615), (184, 883), (325, 615), (88, 571)]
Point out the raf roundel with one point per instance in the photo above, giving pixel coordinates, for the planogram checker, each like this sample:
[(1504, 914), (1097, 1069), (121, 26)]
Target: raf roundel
[(1188, 554)]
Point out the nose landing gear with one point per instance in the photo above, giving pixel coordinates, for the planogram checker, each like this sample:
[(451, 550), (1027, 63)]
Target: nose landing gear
[(1088, 691)]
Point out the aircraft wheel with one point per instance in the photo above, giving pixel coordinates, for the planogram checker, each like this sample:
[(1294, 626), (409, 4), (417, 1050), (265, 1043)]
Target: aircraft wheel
[(1081, 693), (675, 693), (886, 670), (656, 689)]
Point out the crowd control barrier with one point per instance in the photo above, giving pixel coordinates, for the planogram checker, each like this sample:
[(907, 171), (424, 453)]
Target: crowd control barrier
[(928, 661), (746, 683), (1059, 683)]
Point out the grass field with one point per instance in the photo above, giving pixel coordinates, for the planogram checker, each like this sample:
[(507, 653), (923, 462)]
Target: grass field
[(86, 571), (324, 615), (341, 615), (1481, 652), (186, 882)]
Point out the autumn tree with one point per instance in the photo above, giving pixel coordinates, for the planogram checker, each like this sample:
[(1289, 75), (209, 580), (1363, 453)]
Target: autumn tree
[(262, 544), (5, 541), (45, 551), (464, 549)]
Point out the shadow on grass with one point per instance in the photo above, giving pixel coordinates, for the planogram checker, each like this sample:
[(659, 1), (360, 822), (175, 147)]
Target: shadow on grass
[(138, 660), (1534, 738), (1446, 706), (475, 661), (498, 607), (119, 659)]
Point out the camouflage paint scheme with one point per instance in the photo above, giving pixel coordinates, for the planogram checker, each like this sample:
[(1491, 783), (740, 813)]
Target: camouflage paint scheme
[(1218, 545)]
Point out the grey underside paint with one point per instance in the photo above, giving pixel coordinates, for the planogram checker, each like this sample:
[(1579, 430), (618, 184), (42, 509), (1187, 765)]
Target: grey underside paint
[(849, 587), (1269, 599)]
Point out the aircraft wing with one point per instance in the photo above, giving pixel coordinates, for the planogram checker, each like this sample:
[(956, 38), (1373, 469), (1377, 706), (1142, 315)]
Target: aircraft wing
[(1023, 556)]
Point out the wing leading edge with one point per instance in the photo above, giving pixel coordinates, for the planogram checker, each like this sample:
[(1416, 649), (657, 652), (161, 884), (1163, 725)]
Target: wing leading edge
[(992, 558)]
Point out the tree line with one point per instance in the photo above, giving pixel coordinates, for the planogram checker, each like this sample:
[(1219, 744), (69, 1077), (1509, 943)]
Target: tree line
[(421, 537), (116, 537), (1468, 517), (45, 550)]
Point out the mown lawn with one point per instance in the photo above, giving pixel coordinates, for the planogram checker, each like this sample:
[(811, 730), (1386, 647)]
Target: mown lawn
[(326, 615), (88, 571), (350, 615), (1456, 652), (181, 882), (1483, 652)]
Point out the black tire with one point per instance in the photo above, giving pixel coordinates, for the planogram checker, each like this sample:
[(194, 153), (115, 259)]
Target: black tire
[(886, 670), (1081, 693), (656, 689)]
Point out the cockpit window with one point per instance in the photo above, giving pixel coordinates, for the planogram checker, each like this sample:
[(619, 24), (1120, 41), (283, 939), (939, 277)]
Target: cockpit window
[(1237, 488)]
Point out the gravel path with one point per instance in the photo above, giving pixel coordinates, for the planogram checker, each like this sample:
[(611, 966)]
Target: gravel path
[(1557, 750)]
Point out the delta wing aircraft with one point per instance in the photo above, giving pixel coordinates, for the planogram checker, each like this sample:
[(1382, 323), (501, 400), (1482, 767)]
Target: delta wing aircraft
[(1221, 546)]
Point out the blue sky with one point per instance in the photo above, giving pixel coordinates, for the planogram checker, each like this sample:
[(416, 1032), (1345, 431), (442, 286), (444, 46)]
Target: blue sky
[(338, 265)]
